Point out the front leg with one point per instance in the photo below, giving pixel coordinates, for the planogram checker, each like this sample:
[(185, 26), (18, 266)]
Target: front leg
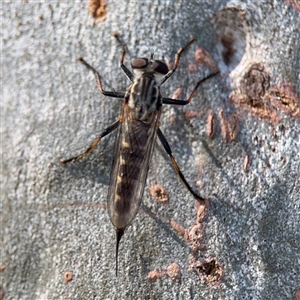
[(123, 67)]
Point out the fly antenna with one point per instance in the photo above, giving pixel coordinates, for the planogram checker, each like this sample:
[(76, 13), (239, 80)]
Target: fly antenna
[(119, 234), (152, 52)]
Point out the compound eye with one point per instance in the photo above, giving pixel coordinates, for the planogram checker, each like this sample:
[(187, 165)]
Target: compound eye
[(160, 67), (139, 63)]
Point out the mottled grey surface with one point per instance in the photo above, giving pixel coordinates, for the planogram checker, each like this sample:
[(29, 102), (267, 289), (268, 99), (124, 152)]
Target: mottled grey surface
[(54, 220)]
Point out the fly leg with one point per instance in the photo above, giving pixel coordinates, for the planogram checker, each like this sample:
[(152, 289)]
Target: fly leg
[(184, 102), (99, 82), (124, 68), (107, 131), (177, 59), (167, 147)]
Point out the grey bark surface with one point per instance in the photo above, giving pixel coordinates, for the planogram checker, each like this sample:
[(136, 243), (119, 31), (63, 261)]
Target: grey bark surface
[(54, 220)]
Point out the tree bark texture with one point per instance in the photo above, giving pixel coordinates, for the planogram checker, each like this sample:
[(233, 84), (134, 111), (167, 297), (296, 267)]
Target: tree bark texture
[(237, 144)]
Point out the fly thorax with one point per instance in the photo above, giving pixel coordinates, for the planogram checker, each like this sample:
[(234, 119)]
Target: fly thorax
[(144, 97)]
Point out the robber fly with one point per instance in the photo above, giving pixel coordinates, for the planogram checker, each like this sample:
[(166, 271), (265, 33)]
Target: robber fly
[(138, 126)]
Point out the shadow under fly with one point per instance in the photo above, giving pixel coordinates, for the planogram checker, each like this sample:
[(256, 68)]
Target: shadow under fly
[(138, 127)]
